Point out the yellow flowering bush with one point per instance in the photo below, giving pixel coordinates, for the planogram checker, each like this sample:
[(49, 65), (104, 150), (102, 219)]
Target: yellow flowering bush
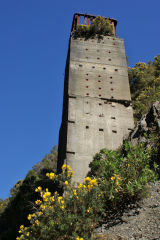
[(116, 178), (72, 215)]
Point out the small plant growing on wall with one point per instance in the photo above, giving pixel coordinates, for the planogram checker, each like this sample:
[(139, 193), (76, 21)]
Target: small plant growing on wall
[(99, 26)]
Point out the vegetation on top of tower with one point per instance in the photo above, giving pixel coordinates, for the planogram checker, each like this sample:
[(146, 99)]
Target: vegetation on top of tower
[(99, 26)]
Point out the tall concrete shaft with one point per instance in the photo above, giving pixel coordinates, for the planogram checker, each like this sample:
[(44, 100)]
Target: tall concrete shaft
[(97, 111)]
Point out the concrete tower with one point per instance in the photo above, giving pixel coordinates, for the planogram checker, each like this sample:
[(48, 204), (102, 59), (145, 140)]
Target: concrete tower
[(97, 111)]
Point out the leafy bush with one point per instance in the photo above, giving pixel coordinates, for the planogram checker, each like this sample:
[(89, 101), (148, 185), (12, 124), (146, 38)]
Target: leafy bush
[(116, 178), (14, 210), (99, 26), (3, 204), (71, 216), (145, 85), (124, 174)]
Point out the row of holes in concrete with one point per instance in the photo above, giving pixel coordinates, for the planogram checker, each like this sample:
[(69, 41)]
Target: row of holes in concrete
[(116, 70), (98, 81), (101, 88), (87, 94), (98, 50), (100, 104), (107, 38), (99, 58), (102, 130), (98, 76), (100, 42)]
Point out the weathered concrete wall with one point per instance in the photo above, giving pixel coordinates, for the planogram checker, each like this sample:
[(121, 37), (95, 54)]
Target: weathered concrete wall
[(99, 113)]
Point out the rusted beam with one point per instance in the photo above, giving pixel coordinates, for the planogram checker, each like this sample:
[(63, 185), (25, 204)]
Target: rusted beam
[(114, 29), (78, 18), (89, 21), (85, 20), (74, 23)]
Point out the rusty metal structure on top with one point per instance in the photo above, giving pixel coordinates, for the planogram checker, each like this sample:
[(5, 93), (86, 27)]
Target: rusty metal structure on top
[(86, 19)]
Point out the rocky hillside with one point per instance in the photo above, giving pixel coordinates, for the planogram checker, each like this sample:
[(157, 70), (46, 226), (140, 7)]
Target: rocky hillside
[(140, 220)]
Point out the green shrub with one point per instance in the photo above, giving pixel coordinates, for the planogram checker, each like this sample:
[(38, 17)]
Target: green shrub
[(124, 174), (14, 210), (99, 26), (71, 216), (116, 178), (145, 85), (3, 205)]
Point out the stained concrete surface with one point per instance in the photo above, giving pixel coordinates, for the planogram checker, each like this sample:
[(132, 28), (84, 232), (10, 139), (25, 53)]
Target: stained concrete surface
[(98, 113)]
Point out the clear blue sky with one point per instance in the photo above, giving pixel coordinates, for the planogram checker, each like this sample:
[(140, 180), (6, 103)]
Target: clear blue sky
[(33, 47)]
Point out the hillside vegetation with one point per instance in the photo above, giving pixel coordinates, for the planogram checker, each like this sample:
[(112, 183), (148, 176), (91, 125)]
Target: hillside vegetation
[(37, 209), (14, 210), (145, 85)]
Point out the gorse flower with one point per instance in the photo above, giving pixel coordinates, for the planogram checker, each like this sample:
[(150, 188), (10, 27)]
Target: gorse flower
[(60, 199), (66, 169), (82, 186), (29, 217), (38, 189), (90, 183), (66, 182), (87, 179), (74, 192), (42, 206), (51, 175), (21, 227), (89, 209), (37, 222), (52, 199), (79, 238), (46, 195), (38, 202)]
